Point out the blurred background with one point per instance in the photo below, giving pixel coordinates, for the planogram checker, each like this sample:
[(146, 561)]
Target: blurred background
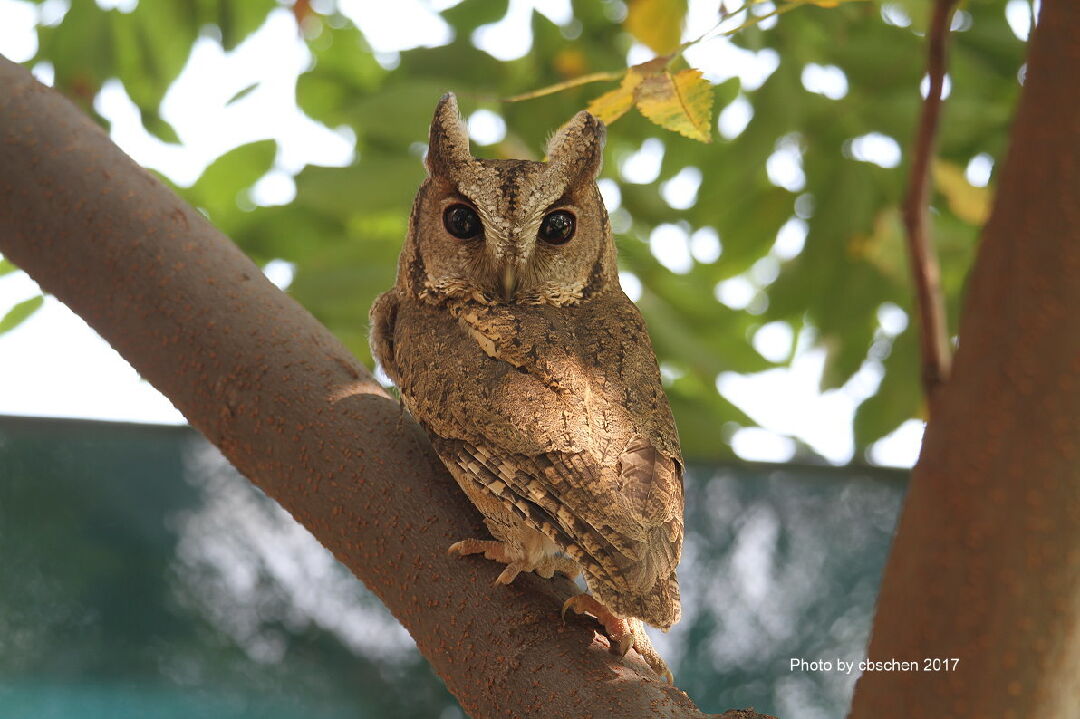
[(143, 578)]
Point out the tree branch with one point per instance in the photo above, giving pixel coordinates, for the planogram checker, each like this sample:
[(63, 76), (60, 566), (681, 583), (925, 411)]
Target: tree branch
[(933, 329), (986, 562), (294, 412)]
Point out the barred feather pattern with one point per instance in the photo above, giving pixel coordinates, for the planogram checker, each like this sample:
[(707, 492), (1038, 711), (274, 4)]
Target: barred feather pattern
[(633, 577)]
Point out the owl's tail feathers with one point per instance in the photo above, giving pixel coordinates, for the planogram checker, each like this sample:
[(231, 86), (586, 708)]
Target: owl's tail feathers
[(658, 605), (664, 607)]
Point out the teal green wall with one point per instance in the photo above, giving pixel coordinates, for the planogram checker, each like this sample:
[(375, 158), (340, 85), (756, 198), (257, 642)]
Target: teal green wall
[(141, 577)]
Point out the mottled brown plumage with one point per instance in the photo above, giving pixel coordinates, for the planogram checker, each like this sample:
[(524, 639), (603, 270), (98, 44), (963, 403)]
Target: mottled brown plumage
[(534, 375)]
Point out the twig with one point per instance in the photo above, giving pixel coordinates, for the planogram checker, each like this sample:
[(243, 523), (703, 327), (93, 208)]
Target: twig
[(933, 332)]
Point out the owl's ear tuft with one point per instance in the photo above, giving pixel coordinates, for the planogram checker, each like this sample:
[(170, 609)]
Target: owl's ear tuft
[(448, 142), (579, 145)]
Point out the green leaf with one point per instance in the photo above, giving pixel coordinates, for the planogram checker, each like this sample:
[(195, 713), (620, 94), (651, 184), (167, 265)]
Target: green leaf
[(237, 169), (459, 66), (375, 184), (80, 51), (471, 14), (339, 283), (241, 94), (288, 232), (151, 46), (704, 418), (918, 12), (899, 396), (413, 105), (222, 182), (344, 70), (18, 314), (157, 126), (237, 20), (726, 92), (747, 223), (686, 322), (6, 267)]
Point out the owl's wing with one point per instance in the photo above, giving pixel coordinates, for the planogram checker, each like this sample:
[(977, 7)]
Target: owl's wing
[(560, 413), (383, 318), (627, 543)]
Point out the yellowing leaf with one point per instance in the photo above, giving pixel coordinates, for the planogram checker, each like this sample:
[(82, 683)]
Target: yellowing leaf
[(681, 102), (829, 3), (656, 23), (885, 247), (570, 62), (612, 105), (971, 204)]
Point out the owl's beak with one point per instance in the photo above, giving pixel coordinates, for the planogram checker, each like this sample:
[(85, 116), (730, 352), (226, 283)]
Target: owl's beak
[(509, 281)]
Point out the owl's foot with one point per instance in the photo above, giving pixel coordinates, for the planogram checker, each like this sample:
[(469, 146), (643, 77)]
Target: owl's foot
[(516, 561), (623, 633), (618, 629)]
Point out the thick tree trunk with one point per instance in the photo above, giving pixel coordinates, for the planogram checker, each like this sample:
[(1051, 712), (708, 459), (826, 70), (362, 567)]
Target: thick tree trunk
[(294, 412), (986, 564)]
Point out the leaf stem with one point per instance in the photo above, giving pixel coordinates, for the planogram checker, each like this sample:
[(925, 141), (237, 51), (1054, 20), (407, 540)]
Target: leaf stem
[(567, 84), (714, 32), (665, 60), (933, 331)]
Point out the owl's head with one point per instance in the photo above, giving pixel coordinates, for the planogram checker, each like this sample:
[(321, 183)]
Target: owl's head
[(510, 231)]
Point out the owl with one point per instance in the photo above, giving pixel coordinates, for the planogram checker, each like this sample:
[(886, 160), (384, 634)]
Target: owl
[(514, 346)]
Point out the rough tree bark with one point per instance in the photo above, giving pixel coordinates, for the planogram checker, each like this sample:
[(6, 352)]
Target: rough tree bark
[(993, 502), (986, 562)]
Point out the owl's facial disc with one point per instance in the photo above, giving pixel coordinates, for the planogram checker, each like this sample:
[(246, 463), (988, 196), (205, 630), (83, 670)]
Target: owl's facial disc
[(512, 231)]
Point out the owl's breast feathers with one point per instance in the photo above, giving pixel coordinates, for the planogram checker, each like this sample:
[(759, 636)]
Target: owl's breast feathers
[(560, 412)]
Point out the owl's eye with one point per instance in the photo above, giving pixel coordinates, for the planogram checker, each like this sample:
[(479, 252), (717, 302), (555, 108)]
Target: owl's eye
[(462, 222), (557, 228)]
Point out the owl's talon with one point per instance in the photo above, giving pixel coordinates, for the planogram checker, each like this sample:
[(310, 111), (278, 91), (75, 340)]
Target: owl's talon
[(509, 574), (618, 630), (515, 560), (620, 646), (643, 646), (579, 603), (495, 551), (622, 633)]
